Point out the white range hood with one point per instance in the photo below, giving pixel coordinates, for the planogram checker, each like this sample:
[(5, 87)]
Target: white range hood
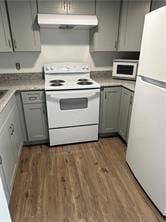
[(67, 21)]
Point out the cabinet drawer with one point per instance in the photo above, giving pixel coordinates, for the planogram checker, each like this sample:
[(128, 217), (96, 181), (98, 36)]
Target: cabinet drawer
[(33, 97)]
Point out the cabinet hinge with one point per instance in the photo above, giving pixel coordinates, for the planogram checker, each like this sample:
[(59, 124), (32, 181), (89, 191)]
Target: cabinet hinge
[(0, 160)]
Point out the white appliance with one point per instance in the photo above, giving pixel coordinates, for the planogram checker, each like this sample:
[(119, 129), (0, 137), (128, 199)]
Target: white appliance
[(125, 69), (72, 99), (146, 151), (67, 21)]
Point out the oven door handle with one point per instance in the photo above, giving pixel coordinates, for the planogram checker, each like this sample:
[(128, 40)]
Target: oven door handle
[(73, 96)]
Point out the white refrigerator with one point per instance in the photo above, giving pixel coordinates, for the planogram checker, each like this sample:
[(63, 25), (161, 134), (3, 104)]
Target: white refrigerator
[(146, 150)]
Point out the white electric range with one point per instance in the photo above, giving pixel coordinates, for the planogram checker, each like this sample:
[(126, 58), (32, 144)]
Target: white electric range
[(72, 99)]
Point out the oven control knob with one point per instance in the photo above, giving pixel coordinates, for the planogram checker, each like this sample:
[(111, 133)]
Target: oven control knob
[(67, 68), (52, 68), (87, 68), (47, 68)]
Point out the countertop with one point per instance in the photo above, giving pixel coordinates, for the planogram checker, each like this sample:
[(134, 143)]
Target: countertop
[(18, 85), (23, 84)]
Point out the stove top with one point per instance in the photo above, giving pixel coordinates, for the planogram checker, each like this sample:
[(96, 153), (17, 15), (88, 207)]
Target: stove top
[(70, 84), (72, 76)]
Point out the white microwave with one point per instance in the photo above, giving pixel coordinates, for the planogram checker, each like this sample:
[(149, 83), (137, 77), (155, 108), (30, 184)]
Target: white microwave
[(125, 69)]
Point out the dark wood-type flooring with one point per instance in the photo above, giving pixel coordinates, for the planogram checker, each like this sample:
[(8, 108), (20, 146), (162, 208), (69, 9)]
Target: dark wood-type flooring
[(88, 182)]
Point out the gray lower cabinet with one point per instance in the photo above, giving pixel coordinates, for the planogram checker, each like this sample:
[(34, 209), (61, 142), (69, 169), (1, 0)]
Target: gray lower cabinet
[(77, 7), (105, 36), (24, 28), (115, 111), (35, 116), (109, 113), (10, 142), (125, 113), (131, 24), (5, 38), (157, 4)]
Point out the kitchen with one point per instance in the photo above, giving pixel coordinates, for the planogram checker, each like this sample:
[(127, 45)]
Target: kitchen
[(68, 82)]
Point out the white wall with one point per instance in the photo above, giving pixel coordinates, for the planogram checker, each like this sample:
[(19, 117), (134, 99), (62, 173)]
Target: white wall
[(60, 45)]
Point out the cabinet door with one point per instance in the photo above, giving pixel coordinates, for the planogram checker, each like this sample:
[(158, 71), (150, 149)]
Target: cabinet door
[(7, 153), (104, 37), (5, 38), (131, 24), (110, 103), (3, 179), (16, 137), (52, 6), (129, 116), (81, 7), (157, 4), (124, 116), (25, 31), (36, 121)]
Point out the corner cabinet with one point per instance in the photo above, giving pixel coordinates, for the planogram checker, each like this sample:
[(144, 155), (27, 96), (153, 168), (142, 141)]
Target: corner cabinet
[(105, 36), (131, 24), (24, 28), (35, 116), (76, 7), (5, 38), (115, 111), (109, 111), (10, 142), (125, 113), (120, 25)]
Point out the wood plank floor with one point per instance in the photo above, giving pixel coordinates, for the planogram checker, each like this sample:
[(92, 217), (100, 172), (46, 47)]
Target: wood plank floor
[(88, 182)]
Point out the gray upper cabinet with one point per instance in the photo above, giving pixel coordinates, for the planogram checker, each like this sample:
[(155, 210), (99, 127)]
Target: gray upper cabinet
[(109, 115), (125, 113), (52, 6), (5, 38), (104, 38), (77, 7), (131, 24), (157, 4), (81, 7), (35, 116), (25, 31)]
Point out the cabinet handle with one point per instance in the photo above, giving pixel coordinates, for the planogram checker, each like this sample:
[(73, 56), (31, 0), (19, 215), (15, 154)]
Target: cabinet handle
[(9, 44), (44, 112), (116, 44), (131, 100), (69, 5), (105, 95), (12, 129), (64, 3), (0, 160), (15, 45)]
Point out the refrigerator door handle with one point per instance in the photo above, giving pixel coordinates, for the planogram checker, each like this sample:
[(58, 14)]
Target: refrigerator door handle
[(153, 82)]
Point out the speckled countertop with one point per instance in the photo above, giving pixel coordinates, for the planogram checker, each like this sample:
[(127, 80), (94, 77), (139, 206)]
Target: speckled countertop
[(26, 82), (19, 82), (105, 79)]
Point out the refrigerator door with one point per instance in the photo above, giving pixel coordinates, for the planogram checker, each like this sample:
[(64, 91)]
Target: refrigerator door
[(153, 49), (146, 151)]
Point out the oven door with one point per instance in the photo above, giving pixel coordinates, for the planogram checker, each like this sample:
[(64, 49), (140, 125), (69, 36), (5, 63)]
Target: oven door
[(72, 108)]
